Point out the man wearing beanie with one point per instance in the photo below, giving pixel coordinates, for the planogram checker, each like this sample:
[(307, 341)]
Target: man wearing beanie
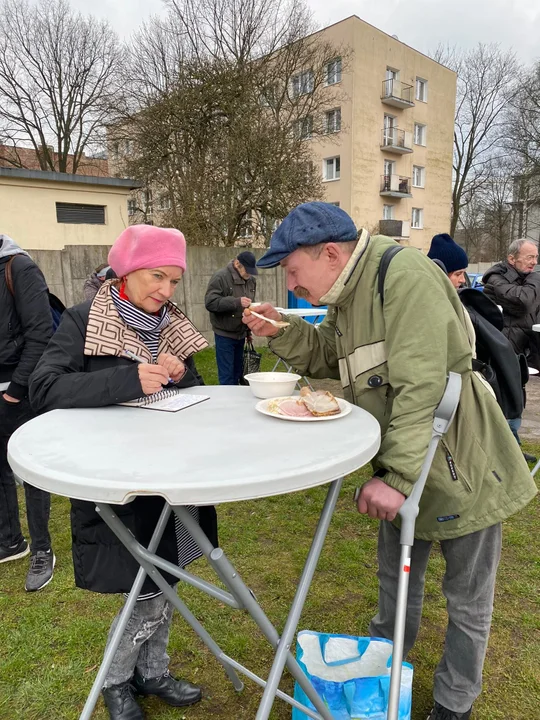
[(229, 291), (453, 257), (393, 360)]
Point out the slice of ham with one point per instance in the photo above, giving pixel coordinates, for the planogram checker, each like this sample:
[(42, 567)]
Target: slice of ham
[(293, 408)]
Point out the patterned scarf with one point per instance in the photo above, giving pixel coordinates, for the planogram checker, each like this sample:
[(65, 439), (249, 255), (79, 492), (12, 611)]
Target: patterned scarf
[(107, 333), (148, 327)]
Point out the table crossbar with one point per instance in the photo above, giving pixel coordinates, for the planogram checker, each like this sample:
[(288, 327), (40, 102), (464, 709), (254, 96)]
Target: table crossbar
[(240, 596)]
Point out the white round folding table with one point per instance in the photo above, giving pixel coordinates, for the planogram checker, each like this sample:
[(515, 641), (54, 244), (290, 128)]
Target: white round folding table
[(197, 457)]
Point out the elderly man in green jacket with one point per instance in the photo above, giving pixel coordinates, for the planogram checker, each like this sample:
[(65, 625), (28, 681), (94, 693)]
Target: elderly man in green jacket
[(393, 359)]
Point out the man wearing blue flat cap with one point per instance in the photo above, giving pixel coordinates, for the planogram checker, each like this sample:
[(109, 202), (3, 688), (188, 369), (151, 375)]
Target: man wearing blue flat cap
[(393, 359)]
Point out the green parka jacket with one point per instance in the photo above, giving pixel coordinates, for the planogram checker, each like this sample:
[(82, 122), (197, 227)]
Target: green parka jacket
[(393, 360)]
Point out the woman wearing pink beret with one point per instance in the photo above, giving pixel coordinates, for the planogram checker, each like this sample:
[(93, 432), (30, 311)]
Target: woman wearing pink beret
[(85, 366)]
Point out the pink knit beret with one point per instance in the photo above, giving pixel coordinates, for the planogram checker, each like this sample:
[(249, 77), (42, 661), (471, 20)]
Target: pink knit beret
[(146, 246)]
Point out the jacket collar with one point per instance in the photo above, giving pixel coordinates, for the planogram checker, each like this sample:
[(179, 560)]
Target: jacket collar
[(346, 282), (236, 277)]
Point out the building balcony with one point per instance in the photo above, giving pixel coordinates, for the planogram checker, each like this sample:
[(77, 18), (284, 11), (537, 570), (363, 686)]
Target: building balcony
[(396, 141), (395, 186), (397, 94), (397, 229)]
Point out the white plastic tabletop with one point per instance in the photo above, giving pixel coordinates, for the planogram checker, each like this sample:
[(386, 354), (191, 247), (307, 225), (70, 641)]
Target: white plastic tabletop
[(304, 312), (220, 450)]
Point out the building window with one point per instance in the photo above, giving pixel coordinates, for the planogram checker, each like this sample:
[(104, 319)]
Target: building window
[(268, 96), (389, 167), (147, 200), (246, 231), (333, 71), (333, 121), (304, 128), (419, 134), (418, 176), (417, 218), (388, 212), (76, 214), (128, 147), (132, 207), (331, 168), (421, 89), (392, 74), (303, 83), (164, 202)]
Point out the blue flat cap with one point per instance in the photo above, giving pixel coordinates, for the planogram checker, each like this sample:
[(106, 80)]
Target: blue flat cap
[(308, 224)]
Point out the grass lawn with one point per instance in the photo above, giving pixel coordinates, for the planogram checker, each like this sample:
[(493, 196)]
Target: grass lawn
[(51, 642)]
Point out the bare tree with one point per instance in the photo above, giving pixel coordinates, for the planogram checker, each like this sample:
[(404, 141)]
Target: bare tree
[(57, 82), (524, 121), (486, 221), (223, 98), (487, 80)]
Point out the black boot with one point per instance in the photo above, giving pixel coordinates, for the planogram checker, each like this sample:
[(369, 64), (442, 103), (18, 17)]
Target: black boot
[(529, 458), (178, 693), (121, 702)]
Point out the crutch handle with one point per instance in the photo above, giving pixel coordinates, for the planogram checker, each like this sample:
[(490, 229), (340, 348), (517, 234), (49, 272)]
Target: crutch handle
[(443, 416)]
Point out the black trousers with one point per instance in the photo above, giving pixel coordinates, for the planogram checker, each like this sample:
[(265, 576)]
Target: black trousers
[(38, 502)]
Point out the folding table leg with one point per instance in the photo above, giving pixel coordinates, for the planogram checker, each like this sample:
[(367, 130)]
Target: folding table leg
[(127, 539), (232, 580), (289, 630), (123, 620)]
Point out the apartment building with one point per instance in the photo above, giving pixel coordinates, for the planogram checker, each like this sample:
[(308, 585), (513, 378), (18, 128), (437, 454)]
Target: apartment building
[(385, 153), (386, 157)]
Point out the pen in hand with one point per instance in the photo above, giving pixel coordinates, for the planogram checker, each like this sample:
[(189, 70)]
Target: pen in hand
[(136, 358)]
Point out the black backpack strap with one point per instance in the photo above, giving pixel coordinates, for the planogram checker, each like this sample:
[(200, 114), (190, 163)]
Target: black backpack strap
[(383, 266)]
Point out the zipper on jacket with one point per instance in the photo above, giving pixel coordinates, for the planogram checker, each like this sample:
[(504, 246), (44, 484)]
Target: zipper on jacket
[(351, 381), (453, 469), (451, 466)]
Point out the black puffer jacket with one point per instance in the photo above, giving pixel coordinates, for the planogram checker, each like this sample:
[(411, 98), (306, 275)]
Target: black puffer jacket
[(25, 319), (519, 296), (66, 378)]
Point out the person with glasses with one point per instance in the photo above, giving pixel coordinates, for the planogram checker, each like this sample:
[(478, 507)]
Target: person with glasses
[(515, 286)]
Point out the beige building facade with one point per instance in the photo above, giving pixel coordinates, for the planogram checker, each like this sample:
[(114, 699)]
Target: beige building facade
[(386, 157), (48, 210)]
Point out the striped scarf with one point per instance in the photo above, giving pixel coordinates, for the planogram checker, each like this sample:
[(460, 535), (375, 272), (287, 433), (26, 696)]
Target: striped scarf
[(148, 327)]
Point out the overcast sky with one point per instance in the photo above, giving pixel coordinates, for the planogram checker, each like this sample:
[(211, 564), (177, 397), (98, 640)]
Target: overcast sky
[(423, 24)]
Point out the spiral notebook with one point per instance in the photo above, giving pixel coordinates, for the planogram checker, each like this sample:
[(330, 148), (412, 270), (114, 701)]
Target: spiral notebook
[(171, 400)]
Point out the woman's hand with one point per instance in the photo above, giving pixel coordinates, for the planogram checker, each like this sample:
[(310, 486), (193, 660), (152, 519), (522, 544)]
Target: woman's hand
[(175, 367), (152, 377)]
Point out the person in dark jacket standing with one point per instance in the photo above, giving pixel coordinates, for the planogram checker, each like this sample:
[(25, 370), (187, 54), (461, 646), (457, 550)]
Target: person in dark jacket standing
[(93, 282), (84, 366), (514, 286), (229, 291), (25, 330)]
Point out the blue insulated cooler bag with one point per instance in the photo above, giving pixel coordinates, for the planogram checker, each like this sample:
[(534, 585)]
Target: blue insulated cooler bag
[(352, 675)]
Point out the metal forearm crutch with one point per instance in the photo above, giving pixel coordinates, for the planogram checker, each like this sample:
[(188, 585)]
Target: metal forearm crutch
[(443, 416)]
